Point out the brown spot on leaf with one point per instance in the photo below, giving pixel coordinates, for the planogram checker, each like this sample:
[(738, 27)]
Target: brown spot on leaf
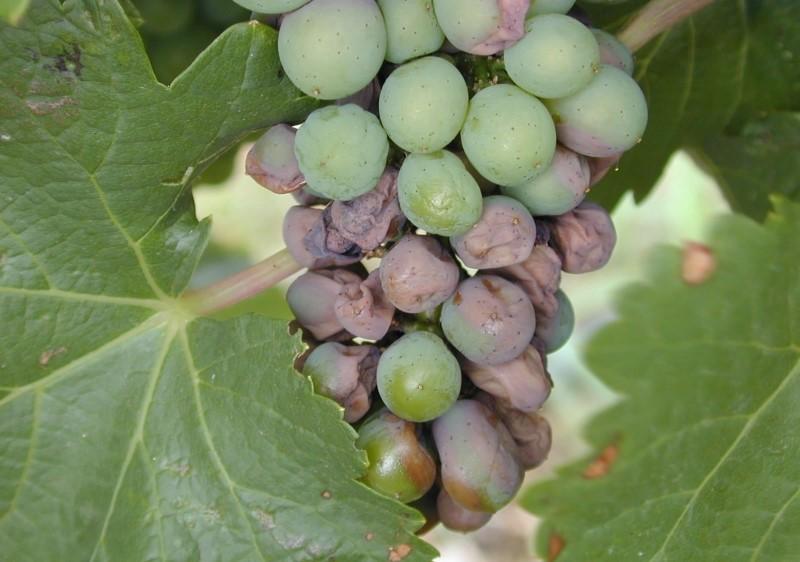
[(326, 495), (600, 466), (399, 552), (68, 62), (369, 536), (46, 107), (49, 354), (555, 545), (699, 263)]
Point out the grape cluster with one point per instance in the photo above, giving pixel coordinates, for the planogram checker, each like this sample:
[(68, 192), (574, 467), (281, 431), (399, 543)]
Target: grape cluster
[(461, 139)]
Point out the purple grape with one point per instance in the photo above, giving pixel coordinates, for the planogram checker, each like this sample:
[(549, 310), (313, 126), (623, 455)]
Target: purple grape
[(307, 198), (599, 167), (530, 431), (522, 382), (345, 374), (489, 320), (584, 238), (479, 466), (272, 163), (539, 276), (457, 518), (298, 224), (418, 274), (503, 236), (363, 310), (554, 331), (312, 298), (325, 241), (365, 98)]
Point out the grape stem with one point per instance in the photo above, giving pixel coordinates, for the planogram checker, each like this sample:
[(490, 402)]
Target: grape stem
[(657, 17), (243, 285)]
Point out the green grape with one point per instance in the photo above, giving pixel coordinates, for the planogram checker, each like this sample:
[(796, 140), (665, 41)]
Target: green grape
[(411, 29), (481, 27), (331, 49), (438, 194), (613, 51), (605, 118), (557, 57), (400, 466), (555, 332), (341, 151), (539, 7), (508, 136), (418, 377), (423, 104), (271, 6)]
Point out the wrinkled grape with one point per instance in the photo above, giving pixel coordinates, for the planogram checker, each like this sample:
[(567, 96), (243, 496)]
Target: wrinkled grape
[(298, 225), (503, 236), (482, 27), (479, 466), (584, 238), (418, 378), (330, 49), (423, 104), (417, 274), (345, 374), (530, 431), (341, 151), (489, 320), (613, 51), (271, 161), (438, 194), (312, 296), (399, 464), (560, 188), (411, 29), (605, 118), (522, 382), (539, 277), (457, 518), (555, 330), (508, 136), (557, 56), (363, 310)]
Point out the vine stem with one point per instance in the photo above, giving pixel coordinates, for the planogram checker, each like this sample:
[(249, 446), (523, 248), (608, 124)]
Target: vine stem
[(657, 17), (243, 285)]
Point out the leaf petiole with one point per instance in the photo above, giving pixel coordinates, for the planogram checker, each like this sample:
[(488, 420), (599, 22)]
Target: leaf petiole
[(655, 18)]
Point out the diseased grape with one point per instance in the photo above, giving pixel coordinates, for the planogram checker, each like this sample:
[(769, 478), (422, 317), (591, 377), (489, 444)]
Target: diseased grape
[(312, 297), (457, 518), (503, 236), (613, 51), (363, 310), (530, 431), (557, 56), (271, 161), (341, 151), (418, 274), (584, 238), (437, 193), (605, 118), (489, 320), (560, 188), (418, 378), (345, 374), (539, 277), (479, 466), (508, 136), (423, 104), (331, 49), (556, 330), (482, 27), (411, 29), (399, 464), (299, 224)]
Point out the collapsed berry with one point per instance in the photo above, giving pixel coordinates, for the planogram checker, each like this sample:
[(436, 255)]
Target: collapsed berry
[(584, 238)]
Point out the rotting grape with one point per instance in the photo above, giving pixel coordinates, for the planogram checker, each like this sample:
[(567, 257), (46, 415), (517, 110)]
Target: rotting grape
[(508, 135), (530, 431), (613, 51), (312, 298), (341, 151), (503, 236), (345, 374), (411, 29), (331, 49), (423, 104), (438, 194), (539, 277), (584, 238), (418, 377), (555, 330), (488, 319), (418, 274), (560, 188), (298, 224), (482, 27), (363, 310), (457, 518), (272, 163), (399, 464)]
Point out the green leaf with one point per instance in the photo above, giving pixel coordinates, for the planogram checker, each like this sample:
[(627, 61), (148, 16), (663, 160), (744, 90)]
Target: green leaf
[(727, 65), (706, 433), (12, 10), (130, 430)]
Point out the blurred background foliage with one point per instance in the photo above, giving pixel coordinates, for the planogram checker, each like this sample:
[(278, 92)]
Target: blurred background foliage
[(246, 227)]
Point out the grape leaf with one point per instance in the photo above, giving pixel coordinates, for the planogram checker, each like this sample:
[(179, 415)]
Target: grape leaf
[(700, 461), (714, 73), (12, 10), (129, 429)]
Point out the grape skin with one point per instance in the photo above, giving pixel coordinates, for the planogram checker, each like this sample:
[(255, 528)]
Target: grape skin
[(508, 136), (423, 104), (457, 518), (481, 27), (411, 29), (272, 163), (539, 7), (418, 378), (331, 49), (557, 57), (613, 51), (555, 331), (438, 194), (341, 151), (271, 6)]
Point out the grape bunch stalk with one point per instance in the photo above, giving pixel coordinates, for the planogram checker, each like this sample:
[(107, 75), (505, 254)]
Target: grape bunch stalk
[(440, 196)]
